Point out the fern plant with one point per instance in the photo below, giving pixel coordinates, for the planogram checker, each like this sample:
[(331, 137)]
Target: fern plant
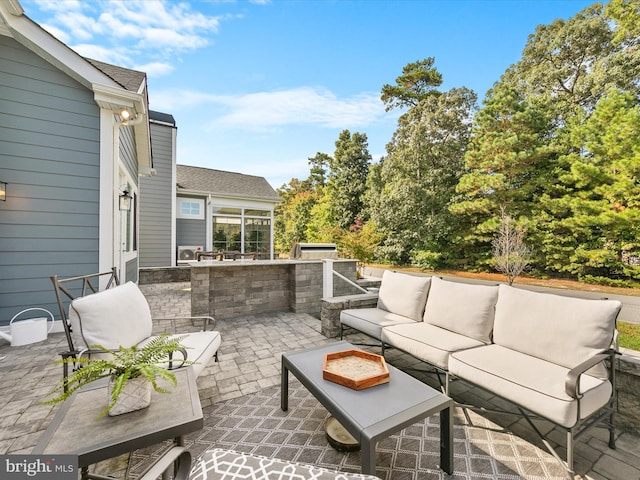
[(122, 365)]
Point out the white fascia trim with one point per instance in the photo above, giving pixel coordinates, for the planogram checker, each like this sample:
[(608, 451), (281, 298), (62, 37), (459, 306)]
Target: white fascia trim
[(118, 99), (246, 198), (107, 242), (38, 40), (174, 238)]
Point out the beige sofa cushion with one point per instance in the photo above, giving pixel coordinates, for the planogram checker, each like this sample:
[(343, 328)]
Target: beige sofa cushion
[(427, 342), (535, 384), (371, 321), (462, 308), (562, 330), (119, 316), (403, 294)]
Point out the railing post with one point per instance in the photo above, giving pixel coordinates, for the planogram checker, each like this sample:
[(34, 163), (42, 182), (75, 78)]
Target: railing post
[(327, 278)]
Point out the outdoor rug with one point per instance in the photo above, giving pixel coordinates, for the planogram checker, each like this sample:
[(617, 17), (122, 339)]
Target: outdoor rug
[(255, 424)]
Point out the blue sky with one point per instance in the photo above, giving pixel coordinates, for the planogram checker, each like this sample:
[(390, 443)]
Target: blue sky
[(259, 87)]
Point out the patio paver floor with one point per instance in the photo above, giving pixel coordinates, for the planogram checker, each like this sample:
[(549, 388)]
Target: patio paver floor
[(250, 362)]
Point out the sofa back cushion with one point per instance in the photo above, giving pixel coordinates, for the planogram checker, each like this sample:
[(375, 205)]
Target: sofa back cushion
[(111, 318), (561, 330), (462, 308), (403, 294)]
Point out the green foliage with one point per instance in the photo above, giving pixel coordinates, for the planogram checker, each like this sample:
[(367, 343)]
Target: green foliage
[(321, 226), (507, 164), (418, 80), (347, 178), (417, 179), (629, 335), (626, 14), (292, 219), (360, 241), (122, 365), (426, 259), (593, 223)]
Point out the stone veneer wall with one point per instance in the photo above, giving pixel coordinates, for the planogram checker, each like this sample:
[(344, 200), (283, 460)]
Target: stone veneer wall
[(628, 386), (151, 275), (226, 290)]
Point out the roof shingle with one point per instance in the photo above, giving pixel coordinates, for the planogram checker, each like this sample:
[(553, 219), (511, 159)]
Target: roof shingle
[(224, 183)]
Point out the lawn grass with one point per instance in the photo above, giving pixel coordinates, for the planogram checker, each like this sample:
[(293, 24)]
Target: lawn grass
[(629, 335)]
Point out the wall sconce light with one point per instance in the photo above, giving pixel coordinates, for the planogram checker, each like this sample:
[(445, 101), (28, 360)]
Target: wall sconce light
[(124, 116), (3, 191), (125, 201)]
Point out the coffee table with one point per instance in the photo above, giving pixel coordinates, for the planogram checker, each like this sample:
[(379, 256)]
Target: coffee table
[(373, 413), (75, 429)]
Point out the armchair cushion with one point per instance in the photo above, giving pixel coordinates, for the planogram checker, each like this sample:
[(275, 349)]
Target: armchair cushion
[(462, 308), (403, 294), (562, 330), (200, 347), (113, 317)]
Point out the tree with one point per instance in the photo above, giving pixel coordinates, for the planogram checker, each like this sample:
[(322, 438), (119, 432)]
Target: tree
[(510, 254), (318, 172), (507, 163), (418, 81), (419, 175), (591, 226), (347, 178), (626, 13), (293, 214)]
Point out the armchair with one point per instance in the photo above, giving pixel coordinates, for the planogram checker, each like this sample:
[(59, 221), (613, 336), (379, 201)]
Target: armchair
[(119, 315)]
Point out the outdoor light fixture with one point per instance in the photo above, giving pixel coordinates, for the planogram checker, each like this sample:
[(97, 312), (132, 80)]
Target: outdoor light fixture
[(3, 191), (125, 201), (124, 115)]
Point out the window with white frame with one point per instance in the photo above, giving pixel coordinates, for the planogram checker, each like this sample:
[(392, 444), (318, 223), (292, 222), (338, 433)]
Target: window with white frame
[(190, 208)]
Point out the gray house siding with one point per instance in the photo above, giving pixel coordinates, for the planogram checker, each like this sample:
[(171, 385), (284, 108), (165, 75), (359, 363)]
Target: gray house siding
[(128, 153), (131, 274), (156, 201), (49, 156)]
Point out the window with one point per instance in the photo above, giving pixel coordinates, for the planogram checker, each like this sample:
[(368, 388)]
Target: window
[(190, 208), (243, 230), (227, 233), (257, 236)]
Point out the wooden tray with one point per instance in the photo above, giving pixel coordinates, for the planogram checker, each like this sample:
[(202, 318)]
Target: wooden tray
[(355, 369)]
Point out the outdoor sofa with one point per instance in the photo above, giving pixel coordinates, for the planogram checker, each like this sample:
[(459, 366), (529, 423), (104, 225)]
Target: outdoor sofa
[(549, 354)]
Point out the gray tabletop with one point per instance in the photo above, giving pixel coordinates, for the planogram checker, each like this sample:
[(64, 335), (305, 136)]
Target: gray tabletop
[(76, 430)]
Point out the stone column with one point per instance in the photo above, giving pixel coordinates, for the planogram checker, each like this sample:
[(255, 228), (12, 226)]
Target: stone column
[(200, 291)]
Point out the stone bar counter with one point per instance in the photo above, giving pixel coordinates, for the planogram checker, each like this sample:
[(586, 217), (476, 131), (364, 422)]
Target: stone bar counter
[(228, 289)]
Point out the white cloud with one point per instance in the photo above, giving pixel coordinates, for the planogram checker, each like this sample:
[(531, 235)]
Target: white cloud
[(267, 110), (156, 30), (155, 69), (107, 55)]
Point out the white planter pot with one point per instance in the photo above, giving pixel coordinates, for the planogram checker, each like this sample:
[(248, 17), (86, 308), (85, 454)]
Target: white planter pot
[(135, 395)]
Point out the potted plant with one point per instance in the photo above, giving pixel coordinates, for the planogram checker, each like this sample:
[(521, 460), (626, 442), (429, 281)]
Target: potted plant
[(132, 373)]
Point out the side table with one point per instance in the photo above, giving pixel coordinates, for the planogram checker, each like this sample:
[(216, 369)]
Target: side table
[(76, 430)]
